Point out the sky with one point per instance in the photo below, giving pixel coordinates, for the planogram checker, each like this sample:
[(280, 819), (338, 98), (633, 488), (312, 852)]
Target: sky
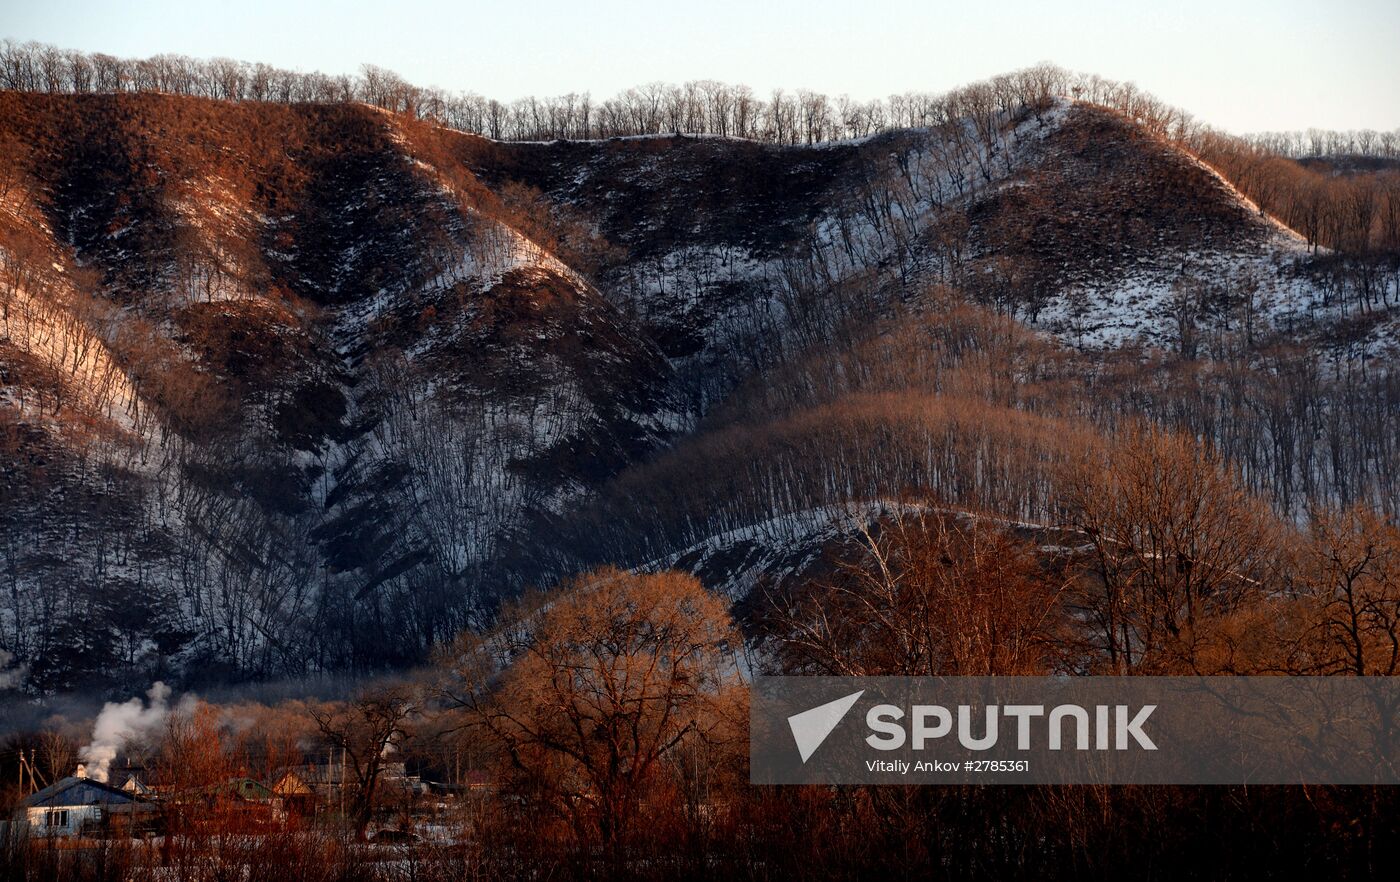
[(1241, 65)]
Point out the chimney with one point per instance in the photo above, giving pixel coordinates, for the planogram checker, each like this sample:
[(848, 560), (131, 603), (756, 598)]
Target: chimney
[(81, 771)]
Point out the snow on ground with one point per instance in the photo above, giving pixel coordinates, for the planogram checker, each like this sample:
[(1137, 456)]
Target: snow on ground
[(745, 307), (214, 214), (474, 493), (1151, 304), (733, 562), (1142, 305), (1266, 281), (92, 382)]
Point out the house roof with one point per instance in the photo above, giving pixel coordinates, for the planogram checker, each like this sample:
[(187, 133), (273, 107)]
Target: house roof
[(291, 784), (78, 791), (314, 773), (246, 789), (133, 784)]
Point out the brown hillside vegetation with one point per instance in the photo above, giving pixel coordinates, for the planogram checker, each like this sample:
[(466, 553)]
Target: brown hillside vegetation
[(334, 370), (470, 460)]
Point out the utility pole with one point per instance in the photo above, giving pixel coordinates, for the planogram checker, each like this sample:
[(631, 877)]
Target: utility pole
[(26, 764), (35, 779)]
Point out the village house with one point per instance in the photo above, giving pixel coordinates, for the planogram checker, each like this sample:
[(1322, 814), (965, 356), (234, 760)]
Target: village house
[(134, 784), (78, 805), (328, 781), (296, 794)]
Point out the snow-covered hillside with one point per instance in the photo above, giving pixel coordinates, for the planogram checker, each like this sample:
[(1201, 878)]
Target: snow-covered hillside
[(311, 387)]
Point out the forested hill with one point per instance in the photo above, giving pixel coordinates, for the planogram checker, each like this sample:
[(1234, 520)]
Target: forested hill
[(291, 387)]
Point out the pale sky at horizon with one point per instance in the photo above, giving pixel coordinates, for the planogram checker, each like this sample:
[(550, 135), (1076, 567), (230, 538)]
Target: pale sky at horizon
[(1241, 65)]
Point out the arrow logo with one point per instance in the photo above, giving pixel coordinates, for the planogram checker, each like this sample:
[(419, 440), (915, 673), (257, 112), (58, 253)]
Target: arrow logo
[(810, 728)]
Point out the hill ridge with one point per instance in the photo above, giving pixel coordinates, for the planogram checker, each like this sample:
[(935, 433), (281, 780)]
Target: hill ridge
[(386, 373)]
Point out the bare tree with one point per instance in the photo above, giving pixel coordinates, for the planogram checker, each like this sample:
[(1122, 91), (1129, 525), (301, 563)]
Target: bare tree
[(367, 730), (932, 594), (1351, 595), (588, 688), (1177, 544)]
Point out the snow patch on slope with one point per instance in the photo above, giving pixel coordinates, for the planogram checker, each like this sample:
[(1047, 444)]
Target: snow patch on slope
[(91, 380)]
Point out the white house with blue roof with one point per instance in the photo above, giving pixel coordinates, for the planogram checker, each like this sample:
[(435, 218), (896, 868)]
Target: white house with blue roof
[(78, 804)]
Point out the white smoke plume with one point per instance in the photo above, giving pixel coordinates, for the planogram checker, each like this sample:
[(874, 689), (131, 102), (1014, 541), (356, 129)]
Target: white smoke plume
[(119, 725), (10, 677)]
